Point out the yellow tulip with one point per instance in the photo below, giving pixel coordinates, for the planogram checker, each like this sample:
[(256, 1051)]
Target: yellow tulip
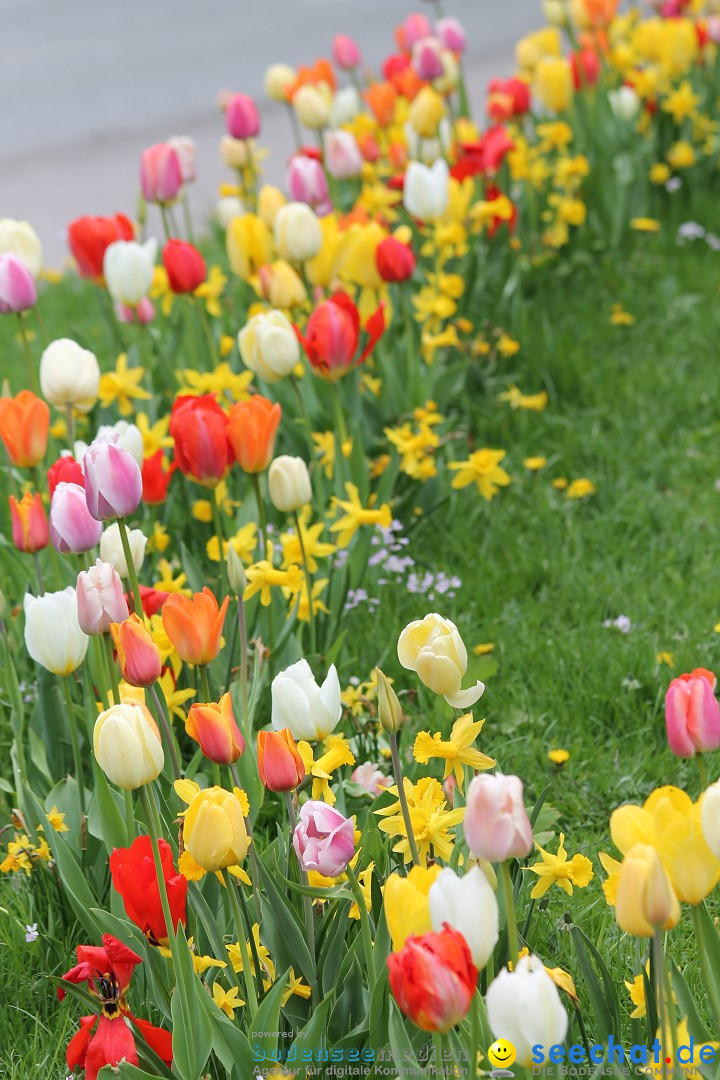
[(407, 904), (553, 85), (248, 245), (214, 830), (270, 200), (645, 901), (426, 112)]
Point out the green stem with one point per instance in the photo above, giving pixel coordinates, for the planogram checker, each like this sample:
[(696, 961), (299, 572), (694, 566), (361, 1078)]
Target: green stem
[(308, 582), (509, 900), (342, 432), (254, 868), (29, 361), (217, 522), (165, 221), (242, 942), (112, 668), (188, 217), (261, 512), (207, 331), (257, 966), (77, 759), (244, 672), (364, 925), (205, 682), (474, 1034), (166, 730), (132, 575), (665, 1002), (397, 769), (702, 770), (307, 900)]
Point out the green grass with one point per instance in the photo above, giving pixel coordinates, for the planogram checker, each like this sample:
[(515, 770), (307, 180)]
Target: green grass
[(635, 410)]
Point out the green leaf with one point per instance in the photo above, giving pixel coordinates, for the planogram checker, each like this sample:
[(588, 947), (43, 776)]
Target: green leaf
[(265, 1022), (603, 999), (687, 1006), (228, 1041), (111, 1072), (192, 1032), (402, 1049), (288, 938), (311, 1036), (106, 820)]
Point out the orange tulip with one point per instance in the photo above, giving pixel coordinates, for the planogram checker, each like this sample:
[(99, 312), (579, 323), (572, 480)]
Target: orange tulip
[(137, 653), (213, 727), (30, 531), (279, 763), (24, 423), (251, 431), (381, 98), (194, 625)]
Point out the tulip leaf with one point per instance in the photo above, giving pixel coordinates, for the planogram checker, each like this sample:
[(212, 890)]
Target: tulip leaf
[(229, 1043), (124, 1069), (333, 948), (379, 1005), (197, 577), (603, 999), (105, 819), (687, 1006), (287, 938), (311, 1036), (192, 1032), (265, 1023), (402, 1049)]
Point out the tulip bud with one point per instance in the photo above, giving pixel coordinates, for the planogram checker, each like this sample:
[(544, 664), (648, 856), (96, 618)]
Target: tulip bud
[(69, 375), (390, 712), (468, 905), (184, 265), (415, 27), (236, 572), (279, 764), (113, 481), (496, 823), (73, 529), (394, 260), (252, 427), (433, 648), (278, 80), (324, 840), (624, 102), (407, 904), (346, 52), (645, 901), (451, 34), (303, 708), (312, 106), (24, 425), (345, 106), (17, 285), (692, 714), (52, 632), (433, 979), (137, 653), (710, 817), (289, 484), (269, 346), (160, 173), (307, 183), (236, 153), (370, 778), (426, 58), (241, 117), (227, 209), (112, 551), (213, 727), (426, 189), (282, 285), (141, 314), (29, 523), (553, 83), (214, 830), (129, 269), (426, 112), (127, 745), (343, 159), (18, 238), (125, 435), (524, 1007), (100, 597), (298, 235)]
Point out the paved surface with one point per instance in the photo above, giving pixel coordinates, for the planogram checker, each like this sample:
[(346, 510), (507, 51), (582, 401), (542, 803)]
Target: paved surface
[(87, 84)]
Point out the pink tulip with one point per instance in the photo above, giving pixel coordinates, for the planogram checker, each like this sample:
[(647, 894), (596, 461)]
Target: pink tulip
[(342, 155), (416, 26), (323, 839), (142, 314), (496, 824), (307, 182), (692, 714), (72, 527), (17, 285), (241, 117), (186, 151), (346, 52), (113, 481), (160, 173), (426, 59), (451, 34), (101, 599), (370, 778)]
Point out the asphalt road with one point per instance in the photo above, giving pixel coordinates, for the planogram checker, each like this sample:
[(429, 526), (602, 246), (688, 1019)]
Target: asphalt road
[(87, 84)]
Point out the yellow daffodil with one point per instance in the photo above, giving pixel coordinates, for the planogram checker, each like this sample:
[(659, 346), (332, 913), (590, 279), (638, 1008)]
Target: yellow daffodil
[(227, 1000), (483, 469), (155, 436), (431, 821), (266, 964), (415, 448), (211, 290), (314, 547), (222, 380), (122, 386), (357, 515), (263, 576), (336, 753), (518, 400), (457, 751), (558, 869)]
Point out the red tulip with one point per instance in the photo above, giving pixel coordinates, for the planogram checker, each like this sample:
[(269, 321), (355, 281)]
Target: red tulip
[(433, 979), (484, 156), (585, 68), (332, 335), (134, 878), (152, 599), (202, 450), (156, 477), (66, 470), (507, 97), (89, 237), (185, 266), (394, 260)]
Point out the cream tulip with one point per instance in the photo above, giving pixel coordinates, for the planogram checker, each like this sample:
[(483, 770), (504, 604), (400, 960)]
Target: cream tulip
[(269, 346), (278, 80), (289, 484), (69, 375), (309, 711), (20, 239), (111, 549), (129, 267), (53, 636), (298, 235), (127, 745), (432, 647), (426, 189), (710, 818)]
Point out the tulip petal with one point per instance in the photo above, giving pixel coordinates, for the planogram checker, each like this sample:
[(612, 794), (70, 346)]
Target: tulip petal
[(465, 698)]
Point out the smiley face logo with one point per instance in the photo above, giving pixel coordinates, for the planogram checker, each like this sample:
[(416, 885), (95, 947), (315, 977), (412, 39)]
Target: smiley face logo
[(501, 1054)]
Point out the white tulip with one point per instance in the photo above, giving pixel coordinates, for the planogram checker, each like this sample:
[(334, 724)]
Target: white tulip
[(227, 209), (524, 1007), (289, 483), (128, 267), (624, 102), (52, 631), (468, 905), (111, 549), (127, 745), (710, 817), (69, 375), (432, 647), (20, 239), (345, 106), (425, 192), (269, 345), (428, 150), (130, 438), (298, 235), (298, 703)]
